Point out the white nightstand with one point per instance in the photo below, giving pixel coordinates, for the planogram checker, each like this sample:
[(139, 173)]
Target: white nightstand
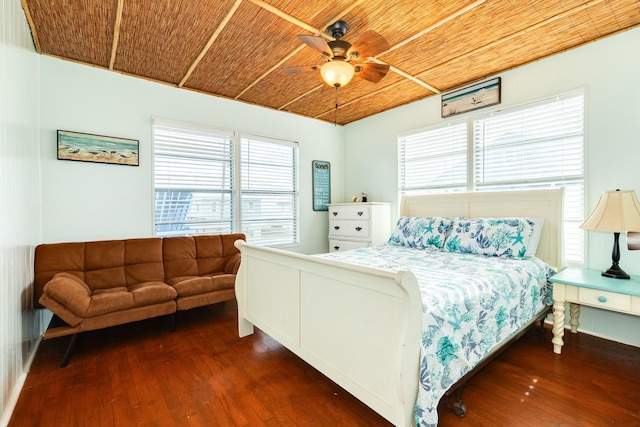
[(589, 287)]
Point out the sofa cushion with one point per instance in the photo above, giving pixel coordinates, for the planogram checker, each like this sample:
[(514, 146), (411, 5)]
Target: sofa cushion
[(78, 298), (69, 291), (225, 249), (143, 261), (195, 285), (233, 264), (51, 259), (104, 264), (223, 281), (191, 285), (179, 254)]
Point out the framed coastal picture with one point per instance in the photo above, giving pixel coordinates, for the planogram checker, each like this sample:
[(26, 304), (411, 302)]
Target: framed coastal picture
[(321, 185), (471, 97), (86, 147)]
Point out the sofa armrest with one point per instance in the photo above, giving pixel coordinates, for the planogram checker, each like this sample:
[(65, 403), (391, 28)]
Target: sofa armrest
[(69, 291), (233, 264)]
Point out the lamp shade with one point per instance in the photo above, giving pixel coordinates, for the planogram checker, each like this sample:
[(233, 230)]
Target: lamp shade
[(617, 211), (337, 73)]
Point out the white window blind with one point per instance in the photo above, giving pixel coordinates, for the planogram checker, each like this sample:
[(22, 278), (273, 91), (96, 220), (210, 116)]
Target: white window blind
[(269, 190), (539, 145), (536, 146), (193, 170), (434, 159)]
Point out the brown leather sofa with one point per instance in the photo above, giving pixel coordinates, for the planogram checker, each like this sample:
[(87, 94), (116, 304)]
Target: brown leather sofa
[(93, 285)]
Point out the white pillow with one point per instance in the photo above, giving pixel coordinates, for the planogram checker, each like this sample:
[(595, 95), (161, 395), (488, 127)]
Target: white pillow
[(536, 233)]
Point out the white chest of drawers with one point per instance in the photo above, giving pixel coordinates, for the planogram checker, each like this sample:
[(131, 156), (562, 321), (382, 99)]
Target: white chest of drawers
[(358, 225)]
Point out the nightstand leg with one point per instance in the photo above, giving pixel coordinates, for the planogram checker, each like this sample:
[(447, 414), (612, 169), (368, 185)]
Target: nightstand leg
[(574, 315), (558, 326)]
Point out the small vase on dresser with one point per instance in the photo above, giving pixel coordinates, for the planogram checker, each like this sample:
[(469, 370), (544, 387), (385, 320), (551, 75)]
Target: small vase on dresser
[(358, 225)]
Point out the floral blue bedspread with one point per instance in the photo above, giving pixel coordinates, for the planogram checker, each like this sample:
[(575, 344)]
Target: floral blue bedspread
[(470, 303)]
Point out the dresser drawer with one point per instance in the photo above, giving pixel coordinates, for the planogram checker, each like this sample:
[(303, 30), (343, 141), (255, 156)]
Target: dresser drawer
[(345, 245), (346, 228), (353, 211), (604, 299)]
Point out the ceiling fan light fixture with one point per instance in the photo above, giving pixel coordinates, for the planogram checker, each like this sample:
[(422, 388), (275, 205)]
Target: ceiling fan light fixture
[(337, 73)]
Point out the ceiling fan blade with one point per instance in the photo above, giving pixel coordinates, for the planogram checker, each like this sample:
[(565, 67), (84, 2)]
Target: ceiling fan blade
[(300, 69), (318, 43), (371, 71), (370, 44)]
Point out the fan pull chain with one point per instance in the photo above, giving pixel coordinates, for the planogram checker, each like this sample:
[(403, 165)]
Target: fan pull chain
[(335, 114)]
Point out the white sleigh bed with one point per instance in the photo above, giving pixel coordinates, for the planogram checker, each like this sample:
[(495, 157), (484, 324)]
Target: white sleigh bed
[(362, 326)]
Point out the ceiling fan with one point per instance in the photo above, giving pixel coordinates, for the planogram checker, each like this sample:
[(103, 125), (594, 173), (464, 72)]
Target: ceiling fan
[(342, 58)]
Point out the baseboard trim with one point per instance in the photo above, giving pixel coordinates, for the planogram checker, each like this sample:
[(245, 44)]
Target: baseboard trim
[(17, 389)]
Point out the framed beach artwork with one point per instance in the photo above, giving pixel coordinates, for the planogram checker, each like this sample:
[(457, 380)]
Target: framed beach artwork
[(471, 97), (86, 147)]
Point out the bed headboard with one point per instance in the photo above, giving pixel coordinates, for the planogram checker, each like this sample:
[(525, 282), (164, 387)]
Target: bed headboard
[(547, 204)]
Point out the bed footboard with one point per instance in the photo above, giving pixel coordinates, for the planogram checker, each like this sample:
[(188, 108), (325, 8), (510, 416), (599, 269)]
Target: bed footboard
[(360, 327)]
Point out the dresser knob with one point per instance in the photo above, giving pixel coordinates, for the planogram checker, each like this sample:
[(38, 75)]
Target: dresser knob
[(358, 228), (602, 298), (337, 227), (336, 248), (335, 213), (360, 213)]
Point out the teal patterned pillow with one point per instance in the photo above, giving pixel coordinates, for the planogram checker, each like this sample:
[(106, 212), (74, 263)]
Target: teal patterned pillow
[(421, 232), (501, 237)]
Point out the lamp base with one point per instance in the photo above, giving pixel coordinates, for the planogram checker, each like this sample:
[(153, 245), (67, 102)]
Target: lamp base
[(615, 272)]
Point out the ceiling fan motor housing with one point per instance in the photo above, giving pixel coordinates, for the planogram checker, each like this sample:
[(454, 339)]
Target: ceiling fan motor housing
[(338, 29), (339, 48)]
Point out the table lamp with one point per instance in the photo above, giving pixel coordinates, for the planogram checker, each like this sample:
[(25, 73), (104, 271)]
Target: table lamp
[(617, 212)]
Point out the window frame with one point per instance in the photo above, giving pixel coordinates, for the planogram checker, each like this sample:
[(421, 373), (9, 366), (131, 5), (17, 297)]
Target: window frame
[(235, 180), (575, 259)]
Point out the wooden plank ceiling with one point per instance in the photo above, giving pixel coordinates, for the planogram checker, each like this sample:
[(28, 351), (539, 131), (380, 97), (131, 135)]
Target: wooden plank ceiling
[(237, 48)]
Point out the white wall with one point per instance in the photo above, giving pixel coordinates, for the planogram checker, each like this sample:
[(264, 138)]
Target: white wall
[(20, 326), (91, 201), (608, 70)]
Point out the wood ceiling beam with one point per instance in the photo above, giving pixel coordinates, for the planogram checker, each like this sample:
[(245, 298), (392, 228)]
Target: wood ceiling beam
[(516, 34), (212, 39), (406, 75), (353, 101), (300, 97), (266, 6), (270, 70), (433, 26), (416, 36), (116, 34)]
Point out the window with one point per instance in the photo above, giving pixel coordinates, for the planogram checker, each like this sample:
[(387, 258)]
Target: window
[(539, 145), (434, 159), (194, 173), (269, 190), (211, 181)]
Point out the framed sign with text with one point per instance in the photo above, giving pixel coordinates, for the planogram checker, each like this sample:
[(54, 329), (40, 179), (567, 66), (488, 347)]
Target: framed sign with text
[(321, 185)]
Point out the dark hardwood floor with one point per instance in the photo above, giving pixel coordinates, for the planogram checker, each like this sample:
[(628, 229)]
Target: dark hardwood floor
[(204, 375)]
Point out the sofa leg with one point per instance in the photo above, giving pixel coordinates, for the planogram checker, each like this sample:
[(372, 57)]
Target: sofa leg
[(172, 322), (70, 348)]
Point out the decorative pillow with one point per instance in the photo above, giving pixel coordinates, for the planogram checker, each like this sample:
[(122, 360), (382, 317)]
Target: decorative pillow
[(421, 232), (501, 237), (536, 233)]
